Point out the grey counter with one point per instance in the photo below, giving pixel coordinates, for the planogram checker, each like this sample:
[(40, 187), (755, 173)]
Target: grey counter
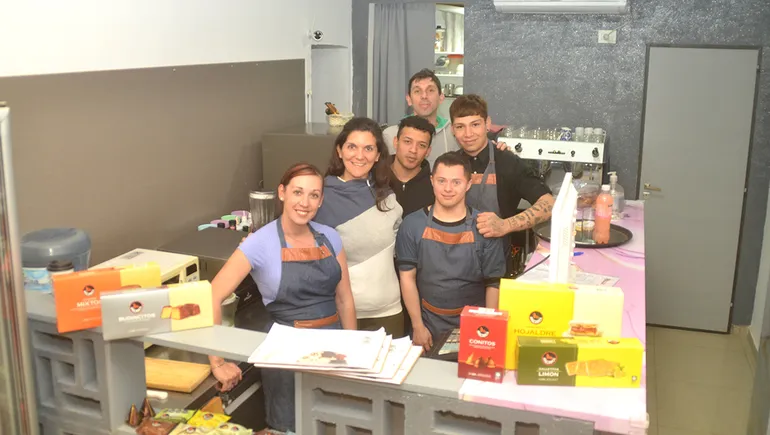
[(428, 376), (428, 399)]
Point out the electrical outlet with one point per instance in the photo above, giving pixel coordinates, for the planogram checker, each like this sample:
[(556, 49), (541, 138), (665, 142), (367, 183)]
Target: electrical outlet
[(608, 36)]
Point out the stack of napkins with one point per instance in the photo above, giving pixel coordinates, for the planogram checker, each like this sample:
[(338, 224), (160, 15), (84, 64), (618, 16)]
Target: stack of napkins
[(367, 355)]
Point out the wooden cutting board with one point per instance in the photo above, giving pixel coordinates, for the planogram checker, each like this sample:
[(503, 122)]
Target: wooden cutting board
[(179, 376)]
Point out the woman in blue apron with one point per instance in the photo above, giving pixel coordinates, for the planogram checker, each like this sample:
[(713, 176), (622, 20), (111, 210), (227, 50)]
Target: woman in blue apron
[(301, 272)]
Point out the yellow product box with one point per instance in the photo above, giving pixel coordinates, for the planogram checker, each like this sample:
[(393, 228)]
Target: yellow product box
[(598, 312), (580, 362), (170, 308), (77, 294), (534, 310)]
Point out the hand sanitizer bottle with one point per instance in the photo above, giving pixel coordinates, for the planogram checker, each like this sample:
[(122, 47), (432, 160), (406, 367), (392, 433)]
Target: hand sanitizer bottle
[(618, 196)]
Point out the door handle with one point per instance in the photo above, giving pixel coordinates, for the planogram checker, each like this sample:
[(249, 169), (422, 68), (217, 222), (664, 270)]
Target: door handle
[(648, 186)]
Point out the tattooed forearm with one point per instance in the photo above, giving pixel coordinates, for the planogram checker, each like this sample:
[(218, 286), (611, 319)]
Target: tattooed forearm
[(539, 212)]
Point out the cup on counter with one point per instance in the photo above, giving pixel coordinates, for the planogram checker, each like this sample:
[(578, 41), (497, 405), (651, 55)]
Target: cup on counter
[(229, 306), (579, 134), (587, 222), (598, 136), (523, 132)]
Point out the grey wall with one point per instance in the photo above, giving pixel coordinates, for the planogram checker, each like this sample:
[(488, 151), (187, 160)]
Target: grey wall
[(546, 69), (137, 157)]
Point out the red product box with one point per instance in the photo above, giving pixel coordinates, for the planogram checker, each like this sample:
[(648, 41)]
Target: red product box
[(483, 335)]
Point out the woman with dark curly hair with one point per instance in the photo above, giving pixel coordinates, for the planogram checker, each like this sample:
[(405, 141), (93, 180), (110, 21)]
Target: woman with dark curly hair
[(360, 205)]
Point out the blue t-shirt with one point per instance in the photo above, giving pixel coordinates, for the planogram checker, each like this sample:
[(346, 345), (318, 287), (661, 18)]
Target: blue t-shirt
[(409, 240), (263, 250)]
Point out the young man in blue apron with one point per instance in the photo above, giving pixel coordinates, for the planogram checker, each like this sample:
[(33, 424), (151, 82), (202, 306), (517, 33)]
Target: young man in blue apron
[(500, 180), (444, 262)]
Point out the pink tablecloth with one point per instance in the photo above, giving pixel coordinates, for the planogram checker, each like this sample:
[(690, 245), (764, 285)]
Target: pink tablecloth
[(621, 411)]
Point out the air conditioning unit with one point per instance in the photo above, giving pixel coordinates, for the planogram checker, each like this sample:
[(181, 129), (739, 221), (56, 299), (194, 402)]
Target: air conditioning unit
[(562, 6)]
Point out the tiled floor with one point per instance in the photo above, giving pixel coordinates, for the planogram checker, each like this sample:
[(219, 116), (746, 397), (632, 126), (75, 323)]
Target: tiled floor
[(698, 383)]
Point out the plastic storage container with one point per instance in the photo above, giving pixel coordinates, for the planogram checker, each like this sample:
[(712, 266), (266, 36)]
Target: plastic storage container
[(262, 204), (41, 248)]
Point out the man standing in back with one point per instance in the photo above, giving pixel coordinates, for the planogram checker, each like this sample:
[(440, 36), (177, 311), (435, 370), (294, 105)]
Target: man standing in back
[(409, 171), (424, 96), (444, 263)]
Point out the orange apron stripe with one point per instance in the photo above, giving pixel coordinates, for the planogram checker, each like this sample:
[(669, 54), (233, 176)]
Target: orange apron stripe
[(447, 238), (305, 254), (476, 178)]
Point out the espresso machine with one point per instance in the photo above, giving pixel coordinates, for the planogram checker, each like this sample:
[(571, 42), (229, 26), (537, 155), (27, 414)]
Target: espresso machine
[(553, 154)]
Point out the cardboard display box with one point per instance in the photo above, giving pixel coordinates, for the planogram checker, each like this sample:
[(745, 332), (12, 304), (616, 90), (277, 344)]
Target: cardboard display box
[(580, 362), (537, 310), (598, 312), (169, 308), (482, 352), (77, 295)]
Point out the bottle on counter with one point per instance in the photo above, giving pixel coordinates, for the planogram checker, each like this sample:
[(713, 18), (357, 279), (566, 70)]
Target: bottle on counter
[(618, 196), (603, 216)]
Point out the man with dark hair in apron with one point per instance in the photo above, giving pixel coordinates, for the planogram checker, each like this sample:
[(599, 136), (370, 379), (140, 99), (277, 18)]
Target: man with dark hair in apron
[(444, 263), (500, 180)]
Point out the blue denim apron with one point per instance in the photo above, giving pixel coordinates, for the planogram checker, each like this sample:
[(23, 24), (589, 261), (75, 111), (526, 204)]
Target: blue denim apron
[(449, 275), (309, 278), (482, 196)]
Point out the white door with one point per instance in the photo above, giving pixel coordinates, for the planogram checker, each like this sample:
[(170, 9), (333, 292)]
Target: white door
[(697, 132)]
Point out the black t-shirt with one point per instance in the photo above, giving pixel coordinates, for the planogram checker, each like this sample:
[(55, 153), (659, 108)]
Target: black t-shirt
[(415, 193), (515, 180)]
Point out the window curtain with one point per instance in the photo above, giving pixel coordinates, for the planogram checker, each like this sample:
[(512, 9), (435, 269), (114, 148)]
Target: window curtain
[(403, 40), (455, 30)]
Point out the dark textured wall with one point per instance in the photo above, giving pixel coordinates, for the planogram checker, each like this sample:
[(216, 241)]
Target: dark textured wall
[(548, 69)]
